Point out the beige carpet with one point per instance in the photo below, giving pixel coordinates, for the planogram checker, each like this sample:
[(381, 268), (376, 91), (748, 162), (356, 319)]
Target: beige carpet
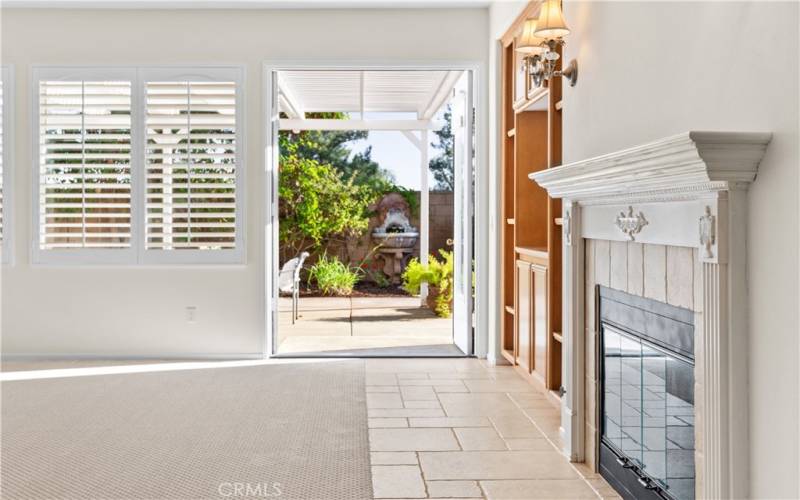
[(299, 430)]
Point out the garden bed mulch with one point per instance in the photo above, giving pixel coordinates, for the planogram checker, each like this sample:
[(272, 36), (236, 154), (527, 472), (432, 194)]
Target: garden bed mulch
[(363, 290)]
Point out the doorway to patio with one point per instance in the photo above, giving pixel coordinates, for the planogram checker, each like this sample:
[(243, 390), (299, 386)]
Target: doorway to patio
[(372, 184)]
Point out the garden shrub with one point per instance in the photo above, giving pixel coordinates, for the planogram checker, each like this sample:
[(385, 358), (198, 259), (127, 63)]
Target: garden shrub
[(332, 276), (437, 273)]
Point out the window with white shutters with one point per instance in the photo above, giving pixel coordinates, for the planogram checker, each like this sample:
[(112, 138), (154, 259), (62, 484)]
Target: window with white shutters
[(138, 165), (85, 162), (191, 165)]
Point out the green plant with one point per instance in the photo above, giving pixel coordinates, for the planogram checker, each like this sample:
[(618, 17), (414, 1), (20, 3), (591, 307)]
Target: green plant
[(333, 277), (318, 206), (327, 192), (437, 274), (379, 277)]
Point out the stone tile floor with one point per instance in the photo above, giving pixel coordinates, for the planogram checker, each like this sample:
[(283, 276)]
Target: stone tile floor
[(460, 428), (452, 428)]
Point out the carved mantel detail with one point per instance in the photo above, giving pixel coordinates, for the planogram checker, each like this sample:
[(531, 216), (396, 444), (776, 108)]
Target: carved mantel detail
[(567, 227), (631, 224), (693, 188), (708, 232)]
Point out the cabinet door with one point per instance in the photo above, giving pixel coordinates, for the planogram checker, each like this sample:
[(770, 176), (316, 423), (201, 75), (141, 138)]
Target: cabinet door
[(539, 297), (523, 315)]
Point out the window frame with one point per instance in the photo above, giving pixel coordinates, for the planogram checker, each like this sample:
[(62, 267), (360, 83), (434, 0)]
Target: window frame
[(234, 255), (138, 254), (9, 96)]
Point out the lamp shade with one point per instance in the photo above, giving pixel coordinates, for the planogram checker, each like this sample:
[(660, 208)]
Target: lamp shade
[(528, 42), (551, 22)]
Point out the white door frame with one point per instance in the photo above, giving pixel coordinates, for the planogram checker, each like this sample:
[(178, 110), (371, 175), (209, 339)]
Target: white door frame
[(480, 202)]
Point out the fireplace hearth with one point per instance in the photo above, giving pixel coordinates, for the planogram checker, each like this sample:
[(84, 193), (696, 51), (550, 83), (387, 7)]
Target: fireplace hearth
[(646, 363)]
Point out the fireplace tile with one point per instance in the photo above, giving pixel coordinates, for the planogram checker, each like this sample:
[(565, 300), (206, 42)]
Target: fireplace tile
[(655, 272), (697, 281), (619, 265), (590, 353), (602, 262), (635, 268), (680, 283)]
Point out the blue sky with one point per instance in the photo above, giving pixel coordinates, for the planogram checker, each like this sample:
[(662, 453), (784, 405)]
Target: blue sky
[(394, 152)]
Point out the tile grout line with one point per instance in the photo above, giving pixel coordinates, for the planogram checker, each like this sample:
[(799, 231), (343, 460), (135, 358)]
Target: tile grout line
[(553, 444)]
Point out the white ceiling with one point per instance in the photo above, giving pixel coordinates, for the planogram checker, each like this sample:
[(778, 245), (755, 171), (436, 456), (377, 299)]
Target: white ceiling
[(421, 92), (246, 4)]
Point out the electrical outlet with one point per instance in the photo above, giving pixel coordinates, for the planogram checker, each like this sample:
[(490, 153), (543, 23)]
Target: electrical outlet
[(191, 314)]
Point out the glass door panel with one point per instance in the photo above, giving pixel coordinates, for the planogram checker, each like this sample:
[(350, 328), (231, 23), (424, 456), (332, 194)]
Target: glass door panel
[(680, 471), (654, 413), (631, 392), (612, 389)]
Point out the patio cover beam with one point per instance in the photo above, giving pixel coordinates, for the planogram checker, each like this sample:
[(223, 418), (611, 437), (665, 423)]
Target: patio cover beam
[(333, 124), (424, 208), (293, 107), (441, 95)]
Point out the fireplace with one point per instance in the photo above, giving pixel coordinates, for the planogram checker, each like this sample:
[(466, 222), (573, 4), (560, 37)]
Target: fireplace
[(646, 375)]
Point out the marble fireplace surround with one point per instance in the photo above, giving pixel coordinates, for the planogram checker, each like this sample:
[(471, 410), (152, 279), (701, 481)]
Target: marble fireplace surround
[(689, 192)]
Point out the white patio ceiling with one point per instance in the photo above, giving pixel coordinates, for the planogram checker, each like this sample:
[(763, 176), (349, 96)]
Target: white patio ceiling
[(313, 91)]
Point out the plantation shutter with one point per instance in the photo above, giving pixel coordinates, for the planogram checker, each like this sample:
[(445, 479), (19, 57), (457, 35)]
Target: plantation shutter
[(84, 164), (191, 162)]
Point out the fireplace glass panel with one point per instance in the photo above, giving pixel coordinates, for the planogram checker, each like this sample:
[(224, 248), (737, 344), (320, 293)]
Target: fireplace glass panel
[(654, 400), (631, 357), (680, 428), (612, 389), (648, 411)]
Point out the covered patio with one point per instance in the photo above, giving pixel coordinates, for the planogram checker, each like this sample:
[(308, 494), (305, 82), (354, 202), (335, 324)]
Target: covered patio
[(404, 101), (364, 326)]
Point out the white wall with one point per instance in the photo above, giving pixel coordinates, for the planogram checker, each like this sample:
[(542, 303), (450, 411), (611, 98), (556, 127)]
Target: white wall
[(141, 311), (649, 70)]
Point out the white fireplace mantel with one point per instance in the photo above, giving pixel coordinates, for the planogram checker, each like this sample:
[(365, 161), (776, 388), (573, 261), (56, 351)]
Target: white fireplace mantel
[(676, 167), (686, 190)]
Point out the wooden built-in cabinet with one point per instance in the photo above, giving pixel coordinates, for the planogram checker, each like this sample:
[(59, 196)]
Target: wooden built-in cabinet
[(531, 236)]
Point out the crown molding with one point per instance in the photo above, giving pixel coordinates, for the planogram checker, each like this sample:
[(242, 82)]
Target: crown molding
[(683, 166)]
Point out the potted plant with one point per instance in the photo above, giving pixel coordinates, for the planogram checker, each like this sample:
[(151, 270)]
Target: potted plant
[(438, 274)]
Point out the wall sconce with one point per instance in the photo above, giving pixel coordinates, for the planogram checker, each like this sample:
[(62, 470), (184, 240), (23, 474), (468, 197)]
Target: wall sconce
[(540, 41)]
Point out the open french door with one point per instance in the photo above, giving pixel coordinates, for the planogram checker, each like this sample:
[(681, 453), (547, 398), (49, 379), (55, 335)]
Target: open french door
[(463, 179), (271, 207)]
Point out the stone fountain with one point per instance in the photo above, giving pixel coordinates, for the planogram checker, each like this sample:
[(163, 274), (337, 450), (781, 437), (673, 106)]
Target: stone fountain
[(396, 236)]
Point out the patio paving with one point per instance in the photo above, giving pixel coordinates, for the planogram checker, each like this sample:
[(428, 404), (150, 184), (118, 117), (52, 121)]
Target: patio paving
[(364, 326)]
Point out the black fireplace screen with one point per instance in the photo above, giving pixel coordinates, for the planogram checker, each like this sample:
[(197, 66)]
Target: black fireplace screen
[(647, 419)]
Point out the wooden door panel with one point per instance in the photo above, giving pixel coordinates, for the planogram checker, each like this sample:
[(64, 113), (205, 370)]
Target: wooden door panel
[(523, 315), (539, 319)]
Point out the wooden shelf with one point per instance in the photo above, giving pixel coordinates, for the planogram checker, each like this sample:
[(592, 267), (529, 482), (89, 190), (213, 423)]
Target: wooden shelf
[(558, 337), (531, 240), (535, 252), (531, 102)]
